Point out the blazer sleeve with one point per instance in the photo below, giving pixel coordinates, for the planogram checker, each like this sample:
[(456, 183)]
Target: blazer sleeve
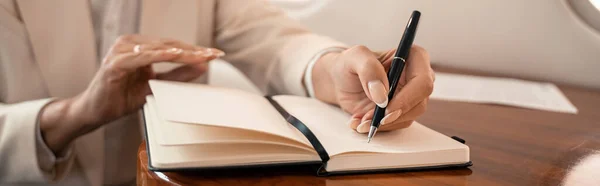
[(271, 49), (24, 156), (19, 147)]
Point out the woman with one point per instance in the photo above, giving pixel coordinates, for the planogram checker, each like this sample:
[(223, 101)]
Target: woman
[(68, 115)]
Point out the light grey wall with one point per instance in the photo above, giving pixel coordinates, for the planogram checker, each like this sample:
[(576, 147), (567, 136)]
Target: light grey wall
[(539, 39)]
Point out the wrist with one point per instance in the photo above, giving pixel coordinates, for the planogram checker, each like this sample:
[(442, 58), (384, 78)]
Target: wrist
[(322, 78), (60, 124)]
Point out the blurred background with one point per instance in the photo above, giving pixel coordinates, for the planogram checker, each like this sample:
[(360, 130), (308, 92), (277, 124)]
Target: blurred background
[(547, 40)]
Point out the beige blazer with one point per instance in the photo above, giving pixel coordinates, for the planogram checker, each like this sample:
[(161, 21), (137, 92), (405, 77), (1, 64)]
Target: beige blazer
[(47, 50)]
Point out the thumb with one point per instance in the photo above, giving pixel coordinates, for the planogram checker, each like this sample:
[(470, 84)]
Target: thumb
[(371, 74)]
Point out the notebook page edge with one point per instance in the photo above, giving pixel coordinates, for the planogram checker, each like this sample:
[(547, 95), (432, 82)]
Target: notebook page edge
[(162, 139), (173, 105)]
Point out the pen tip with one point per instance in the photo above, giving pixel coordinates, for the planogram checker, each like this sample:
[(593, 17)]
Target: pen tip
[(372, 132)]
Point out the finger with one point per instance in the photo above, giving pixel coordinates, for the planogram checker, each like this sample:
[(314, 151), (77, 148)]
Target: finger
[(396, 125), (174, 43), (391, 117), (188, 47), (364, 127), (126, 42), (132, 61), (399, 116), (419, 83), (386, 58), (354, 122), (132, 47), (153, 46), (368, 115), (201, 55), (366, 110), (365, 122), (189, 51), (184, 73), (418, 63), (385, 55), (148, 40), (194, 51), (413, 93), (361, 107), (370, 73), (365, 106)]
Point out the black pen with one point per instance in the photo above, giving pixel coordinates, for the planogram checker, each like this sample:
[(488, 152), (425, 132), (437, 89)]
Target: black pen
[(397, 67)]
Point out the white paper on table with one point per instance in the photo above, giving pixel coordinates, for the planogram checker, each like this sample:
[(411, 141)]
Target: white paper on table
[(504, 91)]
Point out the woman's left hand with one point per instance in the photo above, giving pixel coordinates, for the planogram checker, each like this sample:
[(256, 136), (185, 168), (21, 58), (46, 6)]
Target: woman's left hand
[(359, 79)]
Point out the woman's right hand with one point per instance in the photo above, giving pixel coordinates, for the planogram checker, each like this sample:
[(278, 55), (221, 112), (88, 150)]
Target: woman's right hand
[(120, 86)]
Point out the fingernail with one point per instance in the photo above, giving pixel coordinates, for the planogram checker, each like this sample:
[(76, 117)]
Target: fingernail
[(364, 127), (203, 53), (353, 123), (378, 93), (175, 50), (391, 117), (216, 52)]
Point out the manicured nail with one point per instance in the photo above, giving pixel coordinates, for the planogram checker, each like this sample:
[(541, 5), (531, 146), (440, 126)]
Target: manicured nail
[(364, 127), (175, 50), (203, 53), (216, 52), (389, 118), (378, 92), (353, 123)]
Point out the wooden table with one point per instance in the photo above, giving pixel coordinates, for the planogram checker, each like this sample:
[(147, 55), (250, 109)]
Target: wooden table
[(509, 146)]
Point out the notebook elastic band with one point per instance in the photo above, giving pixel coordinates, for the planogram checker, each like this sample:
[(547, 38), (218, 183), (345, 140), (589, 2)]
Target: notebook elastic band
[(302, 128)]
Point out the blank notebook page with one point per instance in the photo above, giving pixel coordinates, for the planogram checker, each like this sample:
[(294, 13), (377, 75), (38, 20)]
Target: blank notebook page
[(207, 105), (329, 124)]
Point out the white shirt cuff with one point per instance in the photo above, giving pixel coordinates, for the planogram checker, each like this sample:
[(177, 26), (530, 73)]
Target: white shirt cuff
[(309, 68)]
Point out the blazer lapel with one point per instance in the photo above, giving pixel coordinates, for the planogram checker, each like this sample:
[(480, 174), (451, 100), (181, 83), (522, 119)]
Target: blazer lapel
[(170, 19), (187, 21), (63, 43)]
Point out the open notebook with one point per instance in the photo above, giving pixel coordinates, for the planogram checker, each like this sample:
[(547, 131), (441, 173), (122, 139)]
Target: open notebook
[(192, 126)]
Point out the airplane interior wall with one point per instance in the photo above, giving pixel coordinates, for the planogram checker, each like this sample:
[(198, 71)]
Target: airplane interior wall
[(536, 39)]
